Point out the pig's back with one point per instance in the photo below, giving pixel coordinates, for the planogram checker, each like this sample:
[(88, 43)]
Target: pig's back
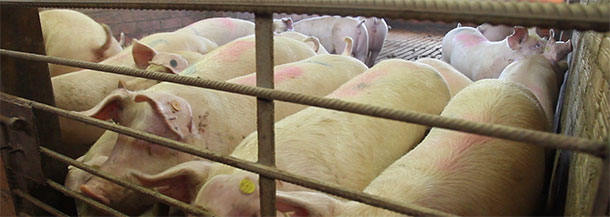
[(350, 149), (467, 174)]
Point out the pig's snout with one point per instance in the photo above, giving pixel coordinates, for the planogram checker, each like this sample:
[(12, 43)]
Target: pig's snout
[(94, 190)]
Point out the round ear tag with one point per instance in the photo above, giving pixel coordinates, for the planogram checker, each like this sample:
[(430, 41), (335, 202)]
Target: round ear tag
[(246, 186)]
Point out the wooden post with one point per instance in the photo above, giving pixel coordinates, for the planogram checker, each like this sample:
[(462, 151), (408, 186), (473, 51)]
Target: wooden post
[(265, 109)]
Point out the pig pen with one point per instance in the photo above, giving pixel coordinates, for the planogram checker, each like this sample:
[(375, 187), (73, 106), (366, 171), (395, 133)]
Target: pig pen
[(30, 148)]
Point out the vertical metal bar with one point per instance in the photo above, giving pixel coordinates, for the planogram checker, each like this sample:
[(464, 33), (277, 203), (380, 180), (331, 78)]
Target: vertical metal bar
[(21, 31), (265, 109)]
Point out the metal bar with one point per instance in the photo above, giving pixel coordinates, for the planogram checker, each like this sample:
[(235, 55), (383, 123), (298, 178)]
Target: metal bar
[(231, 161), (88, 201), (171, 201), (561, 16), (541, 138), (39, 203), (265, 109)]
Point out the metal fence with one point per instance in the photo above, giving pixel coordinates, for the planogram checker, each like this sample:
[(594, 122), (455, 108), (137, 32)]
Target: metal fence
[(28, 91)]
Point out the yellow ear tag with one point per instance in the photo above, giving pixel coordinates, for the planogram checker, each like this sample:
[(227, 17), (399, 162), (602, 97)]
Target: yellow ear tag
[(175, 105), (246, 186)]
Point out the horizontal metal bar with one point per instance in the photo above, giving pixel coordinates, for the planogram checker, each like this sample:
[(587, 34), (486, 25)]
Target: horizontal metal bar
[(88, 201), (561, 16), (263, 170), (161, 197), (541, 138), (40, 204)]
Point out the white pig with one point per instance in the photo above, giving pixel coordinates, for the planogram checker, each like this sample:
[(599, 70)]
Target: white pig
[(218, 121), (83, 89), (377, 30), (74, 35), (328, 145), (458, 173), (472, 54), (331, 31), (220, 30), (456, 81), (541, 74)]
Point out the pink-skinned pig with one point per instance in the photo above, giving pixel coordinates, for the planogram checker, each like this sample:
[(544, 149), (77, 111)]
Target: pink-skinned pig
[(220, 30), (331, 31), (332, 146), (456, 81), (541, 74), (74, 35), (217, 122), (316, 46), (81, 90), (455, 172), (467, 50), (377, 30)]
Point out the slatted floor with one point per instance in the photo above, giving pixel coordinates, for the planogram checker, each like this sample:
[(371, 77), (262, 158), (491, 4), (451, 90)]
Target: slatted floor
[(412, 47)]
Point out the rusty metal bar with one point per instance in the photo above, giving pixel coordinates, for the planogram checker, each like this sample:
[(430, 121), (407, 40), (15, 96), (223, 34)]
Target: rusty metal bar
[(562, 16), (88, 201), (541, 138), (39, 203), (265, 110), (231, 161), (186, 207)]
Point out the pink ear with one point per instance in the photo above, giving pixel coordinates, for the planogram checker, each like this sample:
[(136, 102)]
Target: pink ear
[(110, 107), (179, 182), (517, 38), (175, 111), (304, 203), (142, 54)]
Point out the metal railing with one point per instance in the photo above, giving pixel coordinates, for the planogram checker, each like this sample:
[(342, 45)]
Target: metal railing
[(527, 14)]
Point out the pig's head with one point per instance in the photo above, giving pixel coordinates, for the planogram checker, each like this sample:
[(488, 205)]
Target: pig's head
[(282, 25), (158, 113), (525, 44), (556, 50), (148, 58), (239, 195)]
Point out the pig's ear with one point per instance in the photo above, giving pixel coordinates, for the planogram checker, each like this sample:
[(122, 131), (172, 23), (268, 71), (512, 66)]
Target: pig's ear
[(303, 203), (180, 181), (175, 111), (142, 54), (110, 107), (517, 38), (288, 22)]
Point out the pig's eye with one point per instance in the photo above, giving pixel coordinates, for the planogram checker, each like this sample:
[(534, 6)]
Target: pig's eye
[(173, 63), (537, 45)]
